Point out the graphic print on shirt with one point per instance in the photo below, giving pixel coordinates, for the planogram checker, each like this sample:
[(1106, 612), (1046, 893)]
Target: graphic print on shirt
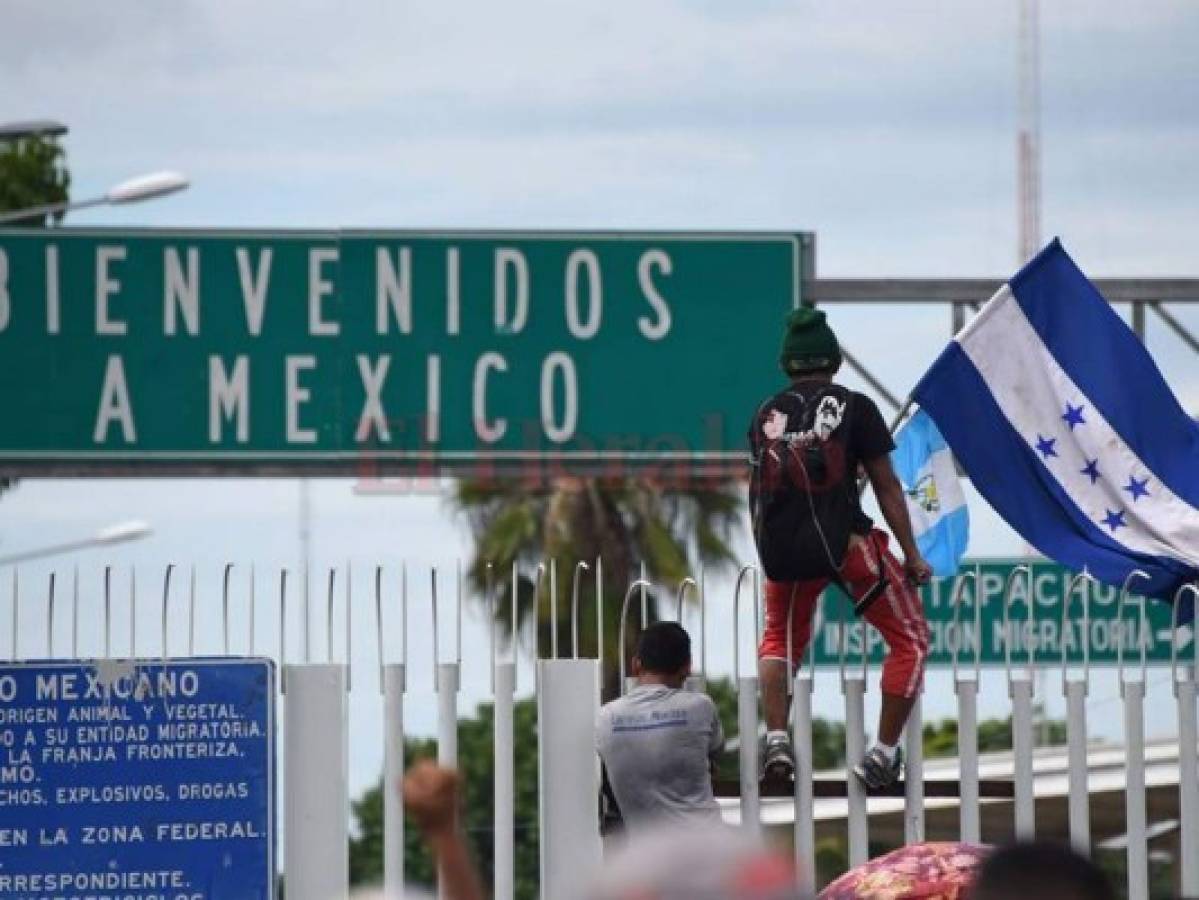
[(828, 417)]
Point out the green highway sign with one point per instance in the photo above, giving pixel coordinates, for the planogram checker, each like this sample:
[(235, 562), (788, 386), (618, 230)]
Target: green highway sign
[(210, 351), (1041, 638)]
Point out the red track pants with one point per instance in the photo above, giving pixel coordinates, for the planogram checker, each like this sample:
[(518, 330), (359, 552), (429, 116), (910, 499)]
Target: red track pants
[(897, 614)]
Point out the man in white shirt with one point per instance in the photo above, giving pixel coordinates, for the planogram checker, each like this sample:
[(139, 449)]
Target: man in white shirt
[(658, 741)]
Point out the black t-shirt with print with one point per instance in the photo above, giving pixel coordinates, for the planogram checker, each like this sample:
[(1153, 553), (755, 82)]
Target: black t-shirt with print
[(866, 437)]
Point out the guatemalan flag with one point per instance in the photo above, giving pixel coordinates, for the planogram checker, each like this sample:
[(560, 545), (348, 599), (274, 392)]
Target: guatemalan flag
[(936, 504), (1059, 415)]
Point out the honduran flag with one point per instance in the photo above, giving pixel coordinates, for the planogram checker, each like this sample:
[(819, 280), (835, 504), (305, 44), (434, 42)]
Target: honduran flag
[(936, 504), (1060, 417)]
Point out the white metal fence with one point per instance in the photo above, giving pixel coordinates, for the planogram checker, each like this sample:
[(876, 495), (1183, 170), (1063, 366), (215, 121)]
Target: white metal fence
[(568, 690)]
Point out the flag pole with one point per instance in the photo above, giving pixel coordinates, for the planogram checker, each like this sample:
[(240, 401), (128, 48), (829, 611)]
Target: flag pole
[(904, 409)]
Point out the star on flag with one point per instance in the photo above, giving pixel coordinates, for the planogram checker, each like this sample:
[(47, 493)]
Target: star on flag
[(1073, 416), (1046, 446), (1115, 519), (1138, 489)]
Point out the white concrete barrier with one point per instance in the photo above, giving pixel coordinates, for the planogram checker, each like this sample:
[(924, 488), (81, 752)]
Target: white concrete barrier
[(316, 801), (567, 703)]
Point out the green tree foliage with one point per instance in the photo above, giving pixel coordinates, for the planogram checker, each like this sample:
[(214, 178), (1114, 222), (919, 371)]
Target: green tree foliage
[(475, 752), (1162, 871), (832, 859), (33, 172), (941, 738), (671, 527), (476, 756), (828, 738)]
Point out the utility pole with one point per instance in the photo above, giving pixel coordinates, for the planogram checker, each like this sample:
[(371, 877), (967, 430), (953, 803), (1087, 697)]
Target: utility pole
[(1028, 138), (1028, 168)]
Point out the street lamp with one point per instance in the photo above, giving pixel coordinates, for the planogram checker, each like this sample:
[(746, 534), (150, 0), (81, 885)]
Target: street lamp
[(15, 131), (143, 187), (120, 533)]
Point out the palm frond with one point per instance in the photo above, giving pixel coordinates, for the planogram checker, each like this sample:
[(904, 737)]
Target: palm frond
[(623, 520)]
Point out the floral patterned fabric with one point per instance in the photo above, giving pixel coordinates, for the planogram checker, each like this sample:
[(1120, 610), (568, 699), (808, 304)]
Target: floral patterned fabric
[(932, 871)]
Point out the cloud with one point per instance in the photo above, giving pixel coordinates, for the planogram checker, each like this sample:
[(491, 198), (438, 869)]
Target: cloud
[(889, 130), (538, 67)]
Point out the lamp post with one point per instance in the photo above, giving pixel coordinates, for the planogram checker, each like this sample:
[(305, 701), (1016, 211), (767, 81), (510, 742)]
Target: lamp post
[(120, 533), (143, 187), (15, 131)]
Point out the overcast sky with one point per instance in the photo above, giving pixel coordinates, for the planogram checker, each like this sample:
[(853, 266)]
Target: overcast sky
[(888, 129)]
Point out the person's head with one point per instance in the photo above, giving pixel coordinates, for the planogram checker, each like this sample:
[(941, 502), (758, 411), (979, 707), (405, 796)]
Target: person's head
[(809, 346), (699, 862), (663, 654), (1040, 870)]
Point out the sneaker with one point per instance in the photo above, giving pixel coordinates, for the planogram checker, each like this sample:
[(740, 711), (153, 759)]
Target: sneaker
[(778, 762), (876, 772)]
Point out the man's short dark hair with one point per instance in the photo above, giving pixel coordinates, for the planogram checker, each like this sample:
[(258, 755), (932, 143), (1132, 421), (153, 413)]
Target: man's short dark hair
[(664, 648), (1040, 869)]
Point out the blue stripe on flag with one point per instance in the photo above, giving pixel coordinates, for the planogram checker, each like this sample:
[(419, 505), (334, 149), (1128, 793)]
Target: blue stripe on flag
[(1111, 367), (944, 545), (920, 454), (914, 444), (1007, 473)]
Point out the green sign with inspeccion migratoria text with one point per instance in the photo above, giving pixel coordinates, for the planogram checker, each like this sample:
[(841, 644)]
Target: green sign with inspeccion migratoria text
[(207, 351), (1036, 626)]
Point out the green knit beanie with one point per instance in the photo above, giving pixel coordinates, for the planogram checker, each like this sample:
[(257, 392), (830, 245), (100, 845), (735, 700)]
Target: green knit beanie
[(809, 345)]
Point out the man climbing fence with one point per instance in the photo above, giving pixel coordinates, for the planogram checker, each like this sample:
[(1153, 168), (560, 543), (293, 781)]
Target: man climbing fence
[(807, 443)]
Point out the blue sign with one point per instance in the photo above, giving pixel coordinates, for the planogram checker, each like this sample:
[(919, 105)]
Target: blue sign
[(137, 779)]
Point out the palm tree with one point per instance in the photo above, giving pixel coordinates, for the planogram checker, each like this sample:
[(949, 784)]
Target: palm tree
[(625, 521)]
